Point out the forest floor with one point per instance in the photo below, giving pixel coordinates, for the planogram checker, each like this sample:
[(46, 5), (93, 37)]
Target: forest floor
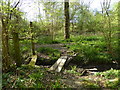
[(62, 48), (71, 76), (79, 77)]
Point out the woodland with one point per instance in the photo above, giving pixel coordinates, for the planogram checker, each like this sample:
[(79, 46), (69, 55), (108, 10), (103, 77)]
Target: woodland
[(69, 45)]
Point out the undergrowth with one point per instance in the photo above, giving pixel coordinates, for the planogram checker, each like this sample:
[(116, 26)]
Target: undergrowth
[(112, 76), (90, 49), (28, 77)]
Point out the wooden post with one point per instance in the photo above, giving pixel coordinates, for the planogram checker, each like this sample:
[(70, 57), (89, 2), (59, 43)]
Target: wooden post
[(33, 60), (32, 39), (67, 19)]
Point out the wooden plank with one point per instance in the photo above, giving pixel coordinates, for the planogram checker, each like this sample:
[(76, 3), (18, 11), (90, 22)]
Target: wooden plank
[(68, 60), (60, 66), (33, 60), (61, 62), (54, 66)]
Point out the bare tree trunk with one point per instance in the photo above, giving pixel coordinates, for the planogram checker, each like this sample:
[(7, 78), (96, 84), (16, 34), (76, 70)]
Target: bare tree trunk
[(5, 47), (16, 45), (32, 38), (5, 44), (17, 56), (67, 20)]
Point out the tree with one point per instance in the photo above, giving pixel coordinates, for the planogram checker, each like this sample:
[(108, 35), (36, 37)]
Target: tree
[(74, 7), (53, 18), (16, 45), (67, 20), (5, 45), (107, 26), (82, 17), (15, 15), (10, 23)]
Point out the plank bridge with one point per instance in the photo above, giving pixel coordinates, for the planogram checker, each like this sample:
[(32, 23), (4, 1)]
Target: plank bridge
[(59, 64), (65, 58)]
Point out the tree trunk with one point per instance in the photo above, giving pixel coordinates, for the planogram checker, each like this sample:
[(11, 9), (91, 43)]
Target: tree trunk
[(16, 45), (17, 56), (5, 48), (67, 20), (32, 38)]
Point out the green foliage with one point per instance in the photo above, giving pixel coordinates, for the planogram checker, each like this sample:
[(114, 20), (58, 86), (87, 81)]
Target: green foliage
[(110, 74), (35, 76), (113, 77), (47, 40), (23, 78), (73, 70), (47, 50), (44, 40), (49, 30), (25, 49), (91, 85), (91, 49), (56, 84), (114, 84), (29, 77), (53, 53)]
